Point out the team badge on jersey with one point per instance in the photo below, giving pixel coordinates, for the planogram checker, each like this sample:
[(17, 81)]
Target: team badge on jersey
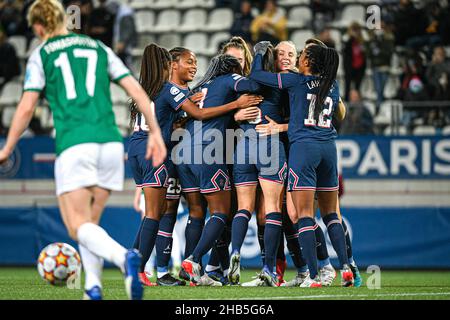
[(174, 91)]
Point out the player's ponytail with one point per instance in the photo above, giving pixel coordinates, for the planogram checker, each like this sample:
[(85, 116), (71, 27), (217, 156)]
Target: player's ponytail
[(48, 13), (269, 59), (220, 65), (155, 68), (239, 43), (324, 63)]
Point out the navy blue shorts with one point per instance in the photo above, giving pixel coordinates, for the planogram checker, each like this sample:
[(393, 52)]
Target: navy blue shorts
[(258, 158), (145, 175), (206, 178), (313, 166), (174, 186)]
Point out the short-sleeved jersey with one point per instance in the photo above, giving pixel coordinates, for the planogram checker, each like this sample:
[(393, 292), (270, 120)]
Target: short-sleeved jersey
[(219, 91), (302, 92), (167, 104), (270, 106), (75, 72)]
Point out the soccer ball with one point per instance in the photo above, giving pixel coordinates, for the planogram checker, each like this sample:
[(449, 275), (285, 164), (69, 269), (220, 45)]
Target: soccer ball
[(58, 262)]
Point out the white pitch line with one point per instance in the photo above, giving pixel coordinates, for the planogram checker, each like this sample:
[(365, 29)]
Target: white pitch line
[(351, 296)]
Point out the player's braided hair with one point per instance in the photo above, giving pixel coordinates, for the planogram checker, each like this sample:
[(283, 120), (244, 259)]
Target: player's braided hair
[(239, 43), (177, 52), (48, 13), (154, 73), (324, 63), (220, 65)]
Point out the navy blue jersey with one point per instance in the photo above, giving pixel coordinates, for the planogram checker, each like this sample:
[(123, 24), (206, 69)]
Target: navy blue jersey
[(219, 91), (302, 92), (167, 105)]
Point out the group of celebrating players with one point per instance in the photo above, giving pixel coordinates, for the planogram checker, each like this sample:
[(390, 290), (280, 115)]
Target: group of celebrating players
[(280, 102)]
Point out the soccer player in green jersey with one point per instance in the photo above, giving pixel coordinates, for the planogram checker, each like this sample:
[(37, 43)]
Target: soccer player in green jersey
[(75, 72)]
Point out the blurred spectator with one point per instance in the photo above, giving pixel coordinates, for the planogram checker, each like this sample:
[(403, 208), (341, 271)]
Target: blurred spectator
[(413, 88), (359, 120), (125, 34), (429, 32), (101, 24), (323, 12), (438, 79), (324, 35), (409, 22), (9, 63), (10, 16), (242, 21), (270, 25), (380, 48), (438, 75), (354, 58), (24, 28)]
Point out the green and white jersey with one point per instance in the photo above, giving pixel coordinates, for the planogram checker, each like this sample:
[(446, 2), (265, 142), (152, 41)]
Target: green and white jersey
[(75, 72)]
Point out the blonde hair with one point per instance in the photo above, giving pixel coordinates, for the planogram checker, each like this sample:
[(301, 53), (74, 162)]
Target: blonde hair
[(239, 43), (48, 13), (287, 42)]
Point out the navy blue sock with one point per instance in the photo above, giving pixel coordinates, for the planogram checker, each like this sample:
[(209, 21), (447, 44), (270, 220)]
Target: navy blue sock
[(193, 233), (214, 259), (212, 231), (348, 241), (138, 236), (147, 239), (221, 247), (261, 230), (280, 250), (337, 236), (322, 251), (239, 229), (291, 233), (272, 238), (307, 241), (164, 241)]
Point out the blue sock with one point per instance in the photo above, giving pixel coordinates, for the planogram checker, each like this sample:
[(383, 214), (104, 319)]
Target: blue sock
[(220, 257), (192, 233), (164, 241), (147, 239), (212, 231), (214, 260), (348, 242), (261, 243), (337, 236), (272, 238), (138, 236), (307, 241), (323, 263), (221, 247), (322, 251), (291, 234), (239, 229)]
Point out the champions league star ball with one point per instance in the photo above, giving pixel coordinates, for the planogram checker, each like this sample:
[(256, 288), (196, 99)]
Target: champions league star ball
[(59, 262)]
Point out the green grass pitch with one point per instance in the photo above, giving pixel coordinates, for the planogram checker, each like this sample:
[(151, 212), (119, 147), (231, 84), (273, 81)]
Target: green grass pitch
[(25, 283)]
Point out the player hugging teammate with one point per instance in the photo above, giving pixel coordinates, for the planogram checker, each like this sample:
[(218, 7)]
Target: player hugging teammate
[(300, 101), (273, 97)]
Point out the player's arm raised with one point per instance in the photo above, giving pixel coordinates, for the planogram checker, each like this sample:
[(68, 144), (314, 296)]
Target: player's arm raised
[(244, 101), (20, 122), (156, 148)]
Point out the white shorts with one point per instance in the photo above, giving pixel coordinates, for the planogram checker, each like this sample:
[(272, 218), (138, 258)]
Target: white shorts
[(90, 164)]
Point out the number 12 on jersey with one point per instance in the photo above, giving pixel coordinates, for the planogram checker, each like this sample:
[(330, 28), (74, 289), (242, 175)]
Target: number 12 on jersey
[(324, 117)]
